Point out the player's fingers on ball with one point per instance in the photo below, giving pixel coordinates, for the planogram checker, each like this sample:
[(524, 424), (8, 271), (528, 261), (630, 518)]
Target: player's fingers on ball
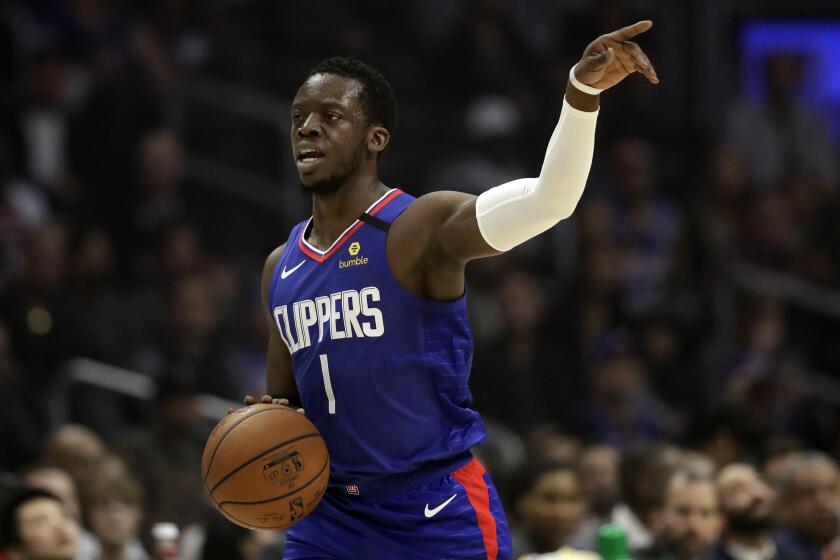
[(249, 400), (230, 410), (284, 402), (266, 399), (301, 411)]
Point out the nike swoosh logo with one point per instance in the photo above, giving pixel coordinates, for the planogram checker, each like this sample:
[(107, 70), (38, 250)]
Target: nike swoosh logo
[(433, 512), (286, 273)]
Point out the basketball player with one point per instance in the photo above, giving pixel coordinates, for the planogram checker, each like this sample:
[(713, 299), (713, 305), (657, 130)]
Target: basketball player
[(368, 316)]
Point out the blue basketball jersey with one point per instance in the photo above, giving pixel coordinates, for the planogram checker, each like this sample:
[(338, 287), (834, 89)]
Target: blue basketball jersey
[(381, 373)]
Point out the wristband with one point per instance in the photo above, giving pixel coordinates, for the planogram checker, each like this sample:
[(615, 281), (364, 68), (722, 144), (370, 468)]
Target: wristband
[(580, 86)]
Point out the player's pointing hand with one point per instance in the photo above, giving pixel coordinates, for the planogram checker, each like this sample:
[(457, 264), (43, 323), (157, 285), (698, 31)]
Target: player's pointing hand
[(612, 57)]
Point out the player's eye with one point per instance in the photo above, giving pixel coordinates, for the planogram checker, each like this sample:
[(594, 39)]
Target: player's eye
[(333, 116)]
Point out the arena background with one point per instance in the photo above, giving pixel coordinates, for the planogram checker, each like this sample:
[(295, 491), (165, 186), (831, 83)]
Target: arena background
[(692, 300)]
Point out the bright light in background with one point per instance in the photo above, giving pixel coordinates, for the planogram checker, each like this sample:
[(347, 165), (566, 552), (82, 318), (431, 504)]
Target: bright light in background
[(818, 41)]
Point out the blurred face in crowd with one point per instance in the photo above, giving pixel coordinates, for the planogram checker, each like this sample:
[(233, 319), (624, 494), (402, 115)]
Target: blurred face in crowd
[(598, 471), (47, 531), (76, 449), (522, 302), (554, 507), (810, 502), (114, 521), (58, 482), (746, 500), (691, 520)]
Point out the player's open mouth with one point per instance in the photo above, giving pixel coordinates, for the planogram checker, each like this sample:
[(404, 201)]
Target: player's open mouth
[(309, 156)]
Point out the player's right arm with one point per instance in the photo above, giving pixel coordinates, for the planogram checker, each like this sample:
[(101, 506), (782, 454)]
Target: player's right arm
[(280, 379)]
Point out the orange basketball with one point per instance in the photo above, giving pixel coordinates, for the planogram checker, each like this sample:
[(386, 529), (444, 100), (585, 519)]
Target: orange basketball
[(265, 466)]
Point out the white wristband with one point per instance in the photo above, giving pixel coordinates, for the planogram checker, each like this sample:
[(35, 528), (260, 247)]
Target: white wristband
[(582, 87)]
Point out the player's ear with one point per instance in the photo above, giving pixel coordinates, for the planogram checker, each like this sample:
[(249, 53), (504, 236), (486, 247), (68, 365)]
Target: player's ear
[(378, 138)]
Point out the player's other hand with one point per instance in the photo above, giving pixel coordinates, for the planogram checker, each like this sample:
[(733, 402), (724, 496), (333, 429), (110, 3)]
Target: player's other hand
[(267, 399), (612, 57)]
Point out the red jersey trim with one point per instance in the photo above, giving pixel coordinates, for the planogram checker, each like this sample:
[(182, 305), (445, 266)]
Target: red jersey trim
[(321, 256)]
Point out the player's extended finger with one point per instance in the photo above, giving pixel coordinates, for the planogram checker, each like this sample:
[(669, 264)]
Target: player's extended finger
[(630, 31), (642, 61)]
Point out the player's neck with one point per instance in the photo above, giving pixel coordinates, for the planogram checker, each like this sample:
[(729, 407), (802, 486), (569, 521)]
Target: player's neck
[(333, 212)]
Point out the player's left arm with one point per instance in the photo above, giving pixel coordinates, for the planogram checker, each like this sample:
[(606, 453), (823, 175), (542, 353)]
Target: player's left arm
[(469, 227)]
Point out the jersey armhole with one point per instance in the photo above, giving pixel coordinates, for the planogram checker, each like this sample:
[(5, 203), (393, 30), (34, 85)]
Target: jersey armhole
[(277, 268)]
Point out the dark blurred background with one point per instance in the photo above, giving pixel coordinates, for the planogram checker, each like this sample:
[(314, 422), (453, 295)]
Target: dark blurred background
[(693, 300)]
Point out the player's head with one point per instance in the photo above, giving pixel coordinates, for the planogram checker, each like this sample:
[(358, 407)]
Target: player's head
[(36, 525), (342, 119)]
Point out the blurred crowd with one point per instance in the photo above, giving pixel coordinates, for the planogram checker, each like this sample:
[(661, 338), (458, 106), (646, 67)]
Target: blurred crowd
[(665, 360)]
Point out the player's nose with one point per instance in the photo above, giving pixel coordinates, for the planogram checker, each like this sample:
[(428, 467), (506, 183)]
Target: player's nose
[(309, 127)]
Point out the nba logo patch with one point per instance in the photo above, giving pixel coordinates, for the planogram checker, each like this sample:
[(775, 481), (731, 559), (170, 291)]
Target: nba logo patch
[(352, 489)]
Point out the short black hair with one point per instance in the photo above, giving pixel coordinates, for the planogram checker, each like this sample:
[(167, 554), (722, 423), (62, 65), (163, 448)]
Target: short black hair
[(377, 97), (525, 479), (9, 529)]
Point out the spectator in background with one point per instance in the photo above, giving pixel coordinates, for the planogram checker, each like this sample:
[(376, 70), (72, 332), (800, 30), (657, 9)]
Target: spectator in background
[(782, 135), (809, 507), (36, 525), (23, 207), (77, 450), (620, 407), (643, 471), (690, 519), (45, 128), (720, 198), (166, 456), (59, 483), (525, 351), (598, 472), (755, 379), (547, 509), (160, 169), (648, 226), (114, 514), (747, 503)]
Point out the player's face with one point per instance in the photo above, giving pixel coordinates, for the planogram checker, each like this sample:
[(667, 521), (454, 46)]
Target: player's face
[(329, 131)]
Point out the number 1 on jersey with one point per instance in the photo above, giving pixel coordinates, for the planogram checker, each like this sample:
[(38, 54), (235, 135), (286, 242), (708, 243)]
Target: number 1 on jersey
[(325, 372)]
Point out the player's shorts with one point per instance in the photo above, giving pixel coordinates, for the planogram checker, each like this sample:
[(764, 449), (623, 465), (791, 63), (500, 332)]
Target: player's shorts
[(458, 515)]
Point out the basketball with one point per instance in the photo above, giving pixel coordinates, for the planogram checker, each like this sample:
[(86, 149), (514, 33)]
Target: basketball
[(265, 466)]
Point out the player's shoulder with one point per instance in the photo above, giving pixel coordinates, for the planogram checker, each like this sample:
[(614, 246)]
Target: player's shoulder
[(274, 257), (434, 208)]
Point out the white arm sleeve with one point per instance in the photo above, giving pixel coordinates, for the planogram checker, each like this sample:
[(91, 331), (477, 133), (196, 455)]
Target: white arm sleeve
[(512, 213)]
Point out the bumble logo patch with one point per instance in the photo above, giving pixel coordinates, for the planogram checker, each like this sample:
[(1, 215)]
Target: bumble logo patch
[(354, 249)]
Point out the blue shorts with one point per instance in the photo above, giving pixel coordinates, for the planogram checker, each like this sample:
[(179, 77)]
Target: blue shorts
[(455, 516)]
